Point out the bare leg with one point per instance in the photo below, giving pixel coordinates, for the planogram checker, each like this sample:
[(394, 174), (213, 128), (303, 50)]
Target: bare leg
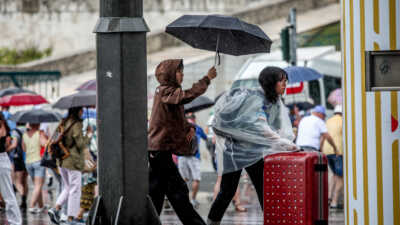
[(195, 188), (217, 187), (37, 191), (337, 190)]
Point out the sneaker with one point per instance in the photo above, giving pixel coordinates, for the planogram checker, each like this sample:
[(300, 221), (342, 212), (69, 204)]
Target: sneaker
[(195, 203), (54, 215), (32, 210), (40, 210), (63, 217)]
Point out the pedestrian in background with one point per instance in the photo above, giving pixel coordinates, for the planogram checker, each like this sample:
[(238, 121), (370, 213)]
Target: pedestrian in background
[(312, 131), (18, 161), (169, 133), (189, 166), (6, 188), (71, 167), (335, 159), (32, 142)]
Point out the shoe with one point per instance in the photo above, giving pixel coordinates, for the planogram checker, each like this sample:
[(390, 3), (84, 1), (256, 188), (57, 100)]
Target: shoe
[(32, 210), (54, 215), (195, 203), (63, 217), (40, 210)]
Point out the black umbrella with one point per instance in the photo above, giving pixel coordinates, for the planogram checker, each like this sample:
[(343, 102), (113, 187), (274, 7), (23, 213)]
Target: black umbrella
[(198, 104), (36, 116), (13, 91), (224, 34), (301, 105), (80, 99)]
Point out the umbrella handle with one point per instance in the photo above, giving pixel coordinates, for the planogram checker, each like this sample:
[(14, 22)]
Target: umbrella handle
[(217, 59), (217, 56)]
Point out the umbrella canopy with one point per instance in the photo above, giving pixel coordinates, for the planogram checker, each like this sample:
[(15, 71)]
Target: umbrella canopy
[(335, 97), (36, 116), (90, 85), (299, 74), (14, 90), (80, 99), (22, 99), (225, 34), (198, 104)]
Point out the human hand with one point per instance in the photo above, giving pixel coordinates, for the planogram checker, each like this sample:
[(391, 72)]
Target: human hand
[(212, 73)]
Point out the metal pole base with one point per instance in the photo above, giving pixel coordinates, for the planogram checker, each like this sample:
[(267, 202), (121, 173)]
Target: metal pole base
[(95, 214)]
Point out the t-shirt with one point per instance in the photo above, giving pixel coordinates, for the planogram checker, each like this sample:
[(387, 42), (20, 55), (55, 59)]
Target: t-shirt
[(335, 129), (310, 130)]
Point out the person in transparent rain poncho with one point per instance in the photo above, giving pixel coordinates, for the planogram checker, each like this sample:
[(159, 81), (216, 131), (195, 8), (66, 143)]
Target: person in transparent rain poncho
[(249, 124)]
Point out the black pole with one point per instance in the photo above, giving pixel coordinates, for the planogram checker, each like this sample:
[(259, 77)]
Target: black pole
[(122, 113)]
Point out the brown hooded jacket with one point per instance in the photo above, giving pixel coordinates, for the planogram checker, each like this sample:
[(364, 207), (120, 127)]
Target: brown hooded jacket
[(168, 126)]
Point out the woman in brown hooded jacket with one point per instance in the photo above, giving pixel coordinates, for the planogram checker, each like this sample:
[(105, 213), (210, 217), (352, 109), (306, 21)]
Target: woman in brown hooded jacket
[(169, 132)]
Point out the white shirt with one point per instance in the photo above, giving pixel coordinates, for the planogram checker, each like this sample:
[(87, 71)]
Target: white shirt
[(310, 130)]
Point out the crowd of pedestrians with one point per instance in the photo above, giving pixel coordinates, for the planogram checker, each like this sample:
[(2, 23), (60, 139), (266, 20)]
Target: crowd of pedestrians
[(22, 149), (247, 123)]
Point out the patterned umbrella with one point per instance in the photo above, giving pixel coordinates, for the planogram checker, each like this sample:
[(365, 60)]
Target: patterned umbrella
[(335, 97), (22, 99)]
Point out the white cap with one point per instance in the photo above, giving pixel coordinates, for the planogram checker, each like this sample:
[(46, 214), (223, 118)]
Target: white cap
[(338, 109)]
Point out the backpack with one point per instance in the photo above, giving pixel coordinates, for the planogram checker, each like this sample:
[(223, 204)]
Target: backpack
[(55, 146), (18, 152)]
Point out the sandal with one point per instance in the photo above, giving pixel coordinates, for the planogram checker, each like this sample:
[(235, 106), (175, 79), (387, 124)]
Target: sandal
[(238, 207)]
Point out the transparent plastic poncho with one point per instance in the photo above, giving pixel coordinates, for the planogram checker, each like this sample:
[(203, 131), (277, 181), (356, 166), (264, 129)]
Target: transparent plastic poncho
[(248, 128)]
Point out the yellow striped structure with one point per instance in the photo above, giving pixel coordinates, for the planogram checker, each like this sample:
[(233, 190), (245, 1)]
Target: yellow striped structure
[(371, 131)]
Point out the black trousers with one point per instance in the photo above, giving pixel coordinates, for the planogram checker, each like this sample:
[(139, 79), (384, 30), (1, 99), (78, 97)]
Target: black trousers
[(229, 184), (165, 179)]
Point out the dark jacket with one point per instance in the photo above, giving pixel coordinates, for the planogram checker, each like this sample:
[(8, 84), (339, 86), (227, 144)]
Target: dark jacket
[(168, 126)]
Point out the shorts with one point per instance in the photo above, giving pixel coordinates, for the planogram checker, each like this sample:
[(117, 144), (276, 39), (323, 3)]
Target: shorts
[(19, 165), (336, 164), (36, 170), (189, 167)]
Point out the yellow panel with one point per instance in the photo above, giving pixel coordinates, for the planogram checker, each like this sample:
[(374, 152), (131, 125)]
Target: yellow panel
[(345, 108), (378, 126), (376, 16), (353, 113), (364, 115), (355, 217), (396, 195), (392, 16)]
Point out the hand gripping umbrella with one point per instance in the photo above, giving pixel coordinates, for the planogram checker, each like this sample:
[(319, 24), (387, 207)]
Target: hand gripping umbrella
[(223, 34)]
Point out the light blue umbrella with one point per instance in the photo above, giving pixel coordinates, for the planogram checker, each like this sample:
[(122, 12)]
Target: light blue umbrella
[(299, 74)]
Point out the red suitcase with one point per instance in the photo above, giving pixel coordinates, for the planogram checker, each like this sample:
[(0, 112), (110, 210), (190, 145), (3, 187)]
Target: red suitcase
[(296, 189)]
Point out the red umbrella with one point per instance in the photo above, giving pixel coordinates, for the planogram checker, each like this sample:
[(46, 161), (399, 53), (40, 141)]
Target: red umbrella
[(22, 99), (88, 86)]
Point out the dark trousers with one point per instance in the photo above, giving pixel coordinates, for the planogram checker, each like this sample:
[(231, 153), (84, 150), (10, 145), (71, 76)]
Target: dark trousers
[(166, 180), (229, 184)]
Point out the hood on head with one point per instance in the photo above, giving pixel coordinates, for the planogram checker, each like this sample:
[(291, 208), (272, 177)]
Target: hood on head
[(166, 72)]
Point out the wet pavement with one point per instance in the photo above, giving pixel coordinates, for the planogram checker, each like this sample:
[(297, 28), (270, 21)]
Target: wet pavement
[(253, 215)]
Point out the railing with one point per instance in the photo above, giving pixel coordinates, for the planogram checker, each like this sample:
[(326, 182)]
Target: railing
[(197, 5), (45, 83)]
